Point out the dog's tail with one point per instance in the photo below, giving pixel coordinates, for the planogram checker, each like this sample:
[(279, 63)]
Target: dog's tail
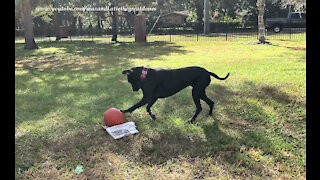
[(217, 77)]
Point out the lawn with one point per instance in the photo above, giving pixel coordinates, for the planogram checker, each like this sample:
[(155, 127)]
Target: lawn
[(257, 131)]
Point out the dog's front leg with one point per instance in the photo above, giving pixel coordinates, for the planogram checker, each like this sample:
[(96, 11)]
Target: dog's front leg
[(149, 110), (142, 102)]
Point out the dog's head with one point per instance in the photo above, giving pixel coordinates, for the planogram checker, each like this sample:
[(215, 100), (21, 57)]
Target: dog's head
[(133, 76)]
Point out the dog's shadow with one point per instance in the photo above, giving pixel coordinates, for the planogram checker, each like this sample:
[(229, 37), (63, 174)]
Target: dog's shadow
[(173, 144)]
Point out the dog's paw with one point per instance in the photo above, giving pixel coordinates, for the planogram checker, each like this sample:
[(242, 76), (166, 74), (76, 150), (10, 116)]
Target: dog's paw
[(191, 120), (154, 117), (123, 111)]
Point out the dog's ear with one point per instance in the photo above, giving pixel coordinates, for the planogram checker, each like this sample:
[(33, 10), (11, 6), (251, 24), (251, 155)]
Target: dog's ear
[(128, 71)]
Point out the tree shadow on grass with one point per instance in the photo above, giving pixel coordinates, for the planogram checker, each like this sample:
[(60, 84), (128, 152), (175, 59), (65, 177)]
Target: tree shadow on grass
[(272, 92), (58, 70), (79, 55)]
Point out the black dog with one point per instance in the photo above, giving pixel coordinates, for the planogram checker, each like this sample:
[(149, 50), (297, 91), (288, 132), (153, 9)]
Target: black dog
[(161, 83)]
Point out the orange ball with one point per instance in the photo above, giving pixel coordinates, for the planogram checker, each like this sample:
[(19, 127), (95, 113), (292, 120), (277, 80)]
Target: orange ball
[(113, 117)]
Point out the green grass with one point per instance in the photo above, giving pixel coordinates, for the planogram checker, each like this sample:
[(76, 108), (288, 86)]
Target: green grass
[(257, 131)]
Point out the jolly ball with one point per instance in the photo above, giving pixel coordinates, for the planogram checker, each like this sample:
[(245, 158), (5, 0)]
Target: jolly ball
[(113, 117)]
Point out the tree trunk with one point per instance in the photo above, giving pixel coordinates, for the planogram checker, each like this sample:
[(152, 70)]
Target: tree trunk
[(73, 25), (206, 17), (261, 27), (80, 26), (199, 10), (56, 25), (28, 25), (114, 26), (98, 22)]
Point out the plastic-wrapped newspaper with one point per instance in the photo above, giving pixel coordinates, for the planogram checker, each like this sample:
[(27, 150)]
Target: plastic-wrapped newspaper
[(121, 130)]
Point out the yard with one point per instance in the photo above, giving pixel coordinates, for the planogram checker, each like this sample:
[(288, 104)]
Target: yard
[(257, 131)]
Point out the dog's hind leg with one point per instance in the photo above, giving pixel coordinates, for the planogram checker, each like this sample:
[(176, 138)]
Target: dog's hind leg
[(196, 99), (208, 101), (149, 106)]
